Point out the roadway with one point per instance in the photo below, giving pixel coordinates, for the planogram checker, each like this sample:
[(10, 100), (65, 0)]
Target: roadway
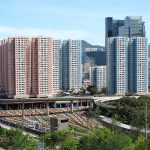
[(100, 101)]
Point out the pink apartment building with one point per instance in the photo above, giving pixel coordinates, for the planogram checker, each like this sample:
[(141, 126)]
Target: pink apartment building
[(15, 67), (27, 67), (4, 66), (41, 66)]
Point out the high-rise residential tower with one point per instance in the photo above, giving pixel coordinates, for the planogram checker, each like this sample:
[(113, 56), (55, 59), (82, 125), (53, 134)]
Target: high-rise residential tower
[(42, 66), (65, 65), (127, 65), (57, 65), (117, 65), (138, 65), (75, 64), (98, 77), (126, 51), (15, 67), (72, 65)]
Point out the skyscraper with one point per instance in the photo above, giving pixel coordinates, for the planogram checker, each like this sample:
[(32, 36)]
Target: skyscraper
[(15, 66), (42, 66), (127, 65), (117, 65), (126, 51), (133, 27), (112, 27), (72, 64), (138, 65), (65, 65), (57, 65)]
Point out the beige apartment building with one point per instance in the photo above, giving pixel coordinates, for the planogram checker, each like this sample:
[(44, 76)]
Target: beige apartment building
[(15, 67)]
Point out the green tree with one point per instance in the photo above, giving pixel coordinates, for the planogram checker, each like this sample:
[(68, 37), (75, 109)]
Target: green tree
[(139, 144), (63, 139), (105, 139), (69, 143), (92, 90), (19, 141)]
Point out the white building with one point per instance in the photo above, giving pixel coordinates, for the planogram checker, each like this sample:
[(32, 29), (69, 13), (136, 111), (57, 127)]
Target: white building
[(57, 65), (127, 65), (98, 77), (72, 65), (117, 65), (138, 65), (101, 77)]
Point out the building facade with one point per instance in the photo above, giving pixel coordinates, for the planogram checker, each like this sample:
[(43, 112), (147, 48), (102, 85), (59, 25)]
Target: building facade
[(98, 77), (149, 67), (117, 62), (112, 27), (127, 65), (133, 27), (126, 50), (65, 65), (138, 65), (39, 66), (72, 65), (101, 77), (57, 65), (93, 75), (75, 64), (42, 66), (15, 67)]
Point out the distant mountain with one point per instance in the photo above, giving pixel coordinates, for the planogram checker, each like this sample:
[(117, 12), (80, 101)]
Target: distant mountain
[(92, 55)]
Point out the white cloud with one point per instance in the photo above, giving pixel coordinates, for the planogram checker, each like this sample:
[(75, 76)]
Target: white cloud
[(5, 29), (93, 38), (62, 34)]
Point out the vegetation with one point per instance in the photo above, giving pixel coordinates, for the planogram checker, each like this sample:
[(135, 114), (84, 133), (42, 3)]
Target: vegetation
[(92, 89), (62, 140), (98, 139), (77, 129), (16, 140), (129, 110)]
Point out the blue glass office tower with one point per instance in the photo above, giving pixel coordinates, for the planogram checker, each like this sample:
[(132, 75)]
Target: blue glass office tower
[(112, 26), (133, 27)]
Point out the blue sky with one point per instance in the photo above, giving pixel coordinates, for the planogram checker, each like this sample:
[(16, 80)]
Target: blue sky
[(64, 19)]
